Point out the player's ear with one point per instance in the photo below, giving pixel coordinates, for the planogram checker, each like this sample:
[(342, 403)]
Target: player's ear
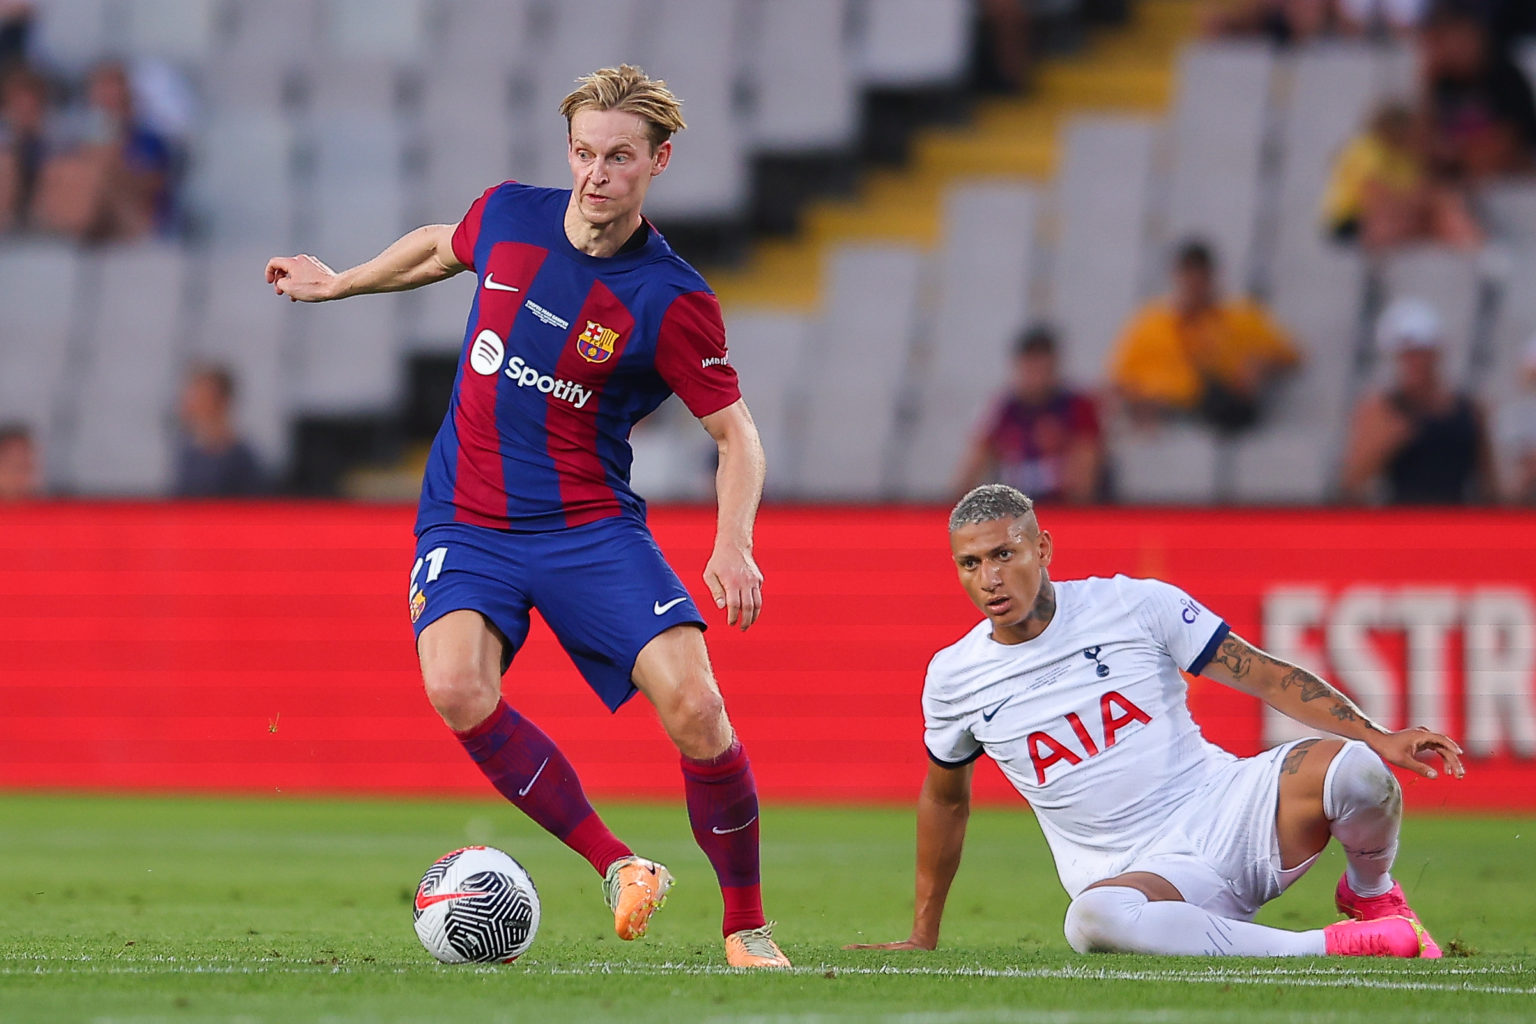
[(660, 157), (1043, 547)]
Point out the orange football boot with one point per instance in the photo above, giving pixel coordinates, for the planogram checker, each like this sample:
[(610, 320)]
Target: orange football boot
[(635, 888), (754, 947)]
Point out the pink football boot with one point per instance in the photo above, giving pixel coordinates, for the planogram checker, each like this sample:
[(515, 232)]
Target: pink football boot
[(1391, 903), (1386, 936)]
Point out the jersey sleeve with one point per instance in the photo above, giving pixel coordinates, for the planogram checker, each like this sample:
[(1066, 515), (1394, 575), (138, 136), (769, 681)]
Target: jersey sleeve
[(468, 232), (946, 736), (1188, 631), (691, 355)]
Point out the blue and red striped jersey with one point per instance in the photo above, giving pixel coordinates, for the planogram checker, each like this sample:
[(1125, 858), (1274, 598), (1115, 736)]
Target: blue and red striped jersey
[(563, 354)]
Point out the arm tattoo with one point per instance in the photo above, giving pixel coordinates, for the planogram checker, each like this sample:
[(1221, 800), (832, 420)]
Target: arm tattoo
[(1295, 756), (1235, 655), (1241, 658)]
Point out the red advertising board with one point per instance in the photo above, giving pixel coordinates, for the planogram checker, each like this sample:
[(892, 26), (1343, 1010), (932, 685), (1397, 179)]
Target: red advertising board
[(267, 647)]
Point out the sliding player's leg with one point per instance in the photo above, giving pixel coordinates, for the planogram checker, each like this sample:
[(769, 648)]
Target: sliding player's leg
[(673, 672), (462, 658), (1343, 790), (1119, 916)]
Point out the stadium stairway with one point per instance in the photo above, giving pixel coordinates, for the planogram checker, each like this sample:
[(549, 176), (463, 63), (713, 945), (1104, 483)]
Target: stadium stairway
[(1130, 68)]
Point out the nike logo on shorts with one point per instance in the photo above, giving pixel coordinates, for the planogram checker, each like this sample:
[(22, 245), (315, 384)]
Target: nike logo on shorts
[(490, 283), (662, 609), (717, 830), (987, 716), (525, 789)]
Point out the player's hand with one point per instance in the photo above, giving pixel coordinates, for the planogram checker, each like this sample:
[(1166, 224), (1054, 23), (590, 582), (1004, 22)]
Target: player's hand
[(904, 944), (1416, 750), (736, 583), (302, 278)]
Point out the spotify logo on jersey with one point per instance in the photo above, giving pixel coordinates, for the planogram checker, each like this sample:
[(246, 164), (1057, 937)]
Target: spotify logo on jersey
[(486, 353)]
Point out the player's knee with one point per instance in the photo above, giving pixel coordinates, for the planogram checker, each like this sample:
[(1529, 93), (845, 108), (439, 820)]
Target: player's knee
[(460, 694), (1098, 919), (1357, 778), (697, 721)]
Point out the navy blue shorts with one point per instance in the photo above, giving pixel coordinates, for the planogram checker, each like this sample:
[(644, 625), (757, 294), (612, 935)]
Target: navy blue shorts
[(604, 588)]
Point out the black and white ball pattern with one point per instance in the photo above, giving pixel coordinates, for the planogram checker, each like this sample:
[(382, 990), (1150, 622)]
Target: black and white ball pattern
[(476, 905)]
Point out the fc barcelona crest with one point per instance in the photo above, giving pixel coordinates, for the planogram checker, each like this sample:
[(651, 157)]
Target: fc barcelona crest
[(596, 343)]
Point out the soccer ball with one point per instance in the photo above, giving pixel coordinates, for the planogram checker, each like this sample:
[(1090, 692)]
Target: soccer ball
[(476, 905)]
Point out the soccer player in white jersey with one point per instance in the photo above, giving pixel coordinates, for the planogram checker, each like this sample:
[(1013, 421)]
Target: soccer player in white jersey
[(1165, 842)]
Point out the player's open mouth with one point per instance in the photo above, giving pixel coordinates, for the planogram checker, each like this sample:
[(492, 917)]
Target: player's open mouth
[(999, 604)]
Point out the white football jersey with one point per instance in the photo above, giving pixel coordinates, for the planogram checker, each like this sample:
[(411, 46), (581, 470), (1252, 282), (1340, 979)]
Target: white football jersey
[(1088, 720)]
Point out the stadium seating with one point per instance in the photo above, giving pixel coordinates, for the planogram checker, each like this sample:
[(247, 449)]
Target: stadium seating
[(126, 371), (1217, 132), (333, 125), (853, 370), (983, 271), (1103, 200)]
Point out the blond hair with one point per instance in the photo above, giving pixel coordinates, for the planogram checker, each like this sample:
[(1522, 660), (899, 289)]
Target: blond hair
[(629, 89)]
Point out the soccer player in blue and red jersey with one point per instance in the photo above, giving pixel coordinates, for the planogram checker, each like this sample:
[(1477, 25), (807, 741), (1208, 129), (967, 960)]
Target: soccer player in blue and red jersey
[(584, 322)]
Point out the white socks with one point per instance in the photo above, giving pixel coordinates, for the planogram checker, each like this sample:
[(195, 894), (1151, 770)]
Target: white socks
[(1364, 808), (1113, 919)]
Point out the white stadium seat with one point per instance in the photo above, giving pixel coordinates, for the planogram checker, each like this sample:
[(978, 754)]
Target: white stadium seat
[(1450, 281), (984, 270), (125, 389), (854, 368), (1172, 465), (768, 349), (178, 30), (708, 178), (1218, 127), (910, 43), (38, 284), (241, 187), (1102, 200), (802, 83), (242, 325), (393, 29)]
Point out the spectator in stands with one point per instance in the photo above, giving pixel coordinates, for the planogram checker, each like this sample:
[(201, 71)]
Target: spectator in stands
[(23, 143), (15, 29), (1382, 194), (1042, 437), (1281, 22), (114, 181), (211, 459), (1520, 420), (1417, 442), (18, 463), (1193, 355), (1481, 113)]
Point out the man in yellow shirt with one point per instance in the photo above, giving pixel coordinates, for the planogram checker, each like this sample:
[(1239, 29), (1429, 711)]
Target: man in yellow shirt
[(1191, 354)]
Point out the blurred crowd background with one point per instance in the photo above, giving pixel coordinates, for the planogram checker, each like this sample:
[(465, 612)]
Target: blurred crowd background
[(1138, 251)]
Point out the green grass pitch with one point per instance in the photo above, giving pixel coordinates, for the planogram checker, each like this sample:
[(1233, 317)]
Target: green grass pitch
[(136, 910)]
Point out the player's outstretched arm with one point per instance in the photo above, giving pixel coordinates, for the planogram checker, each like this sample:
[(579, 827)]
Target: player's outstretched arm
[(942, 812), (420, 257), (732, 574), (1303, 696)]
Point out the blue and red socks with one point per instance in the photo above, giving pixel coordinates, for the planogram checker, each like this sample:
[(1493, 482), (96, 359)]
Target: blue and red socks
[(527, 768), (722, 807)]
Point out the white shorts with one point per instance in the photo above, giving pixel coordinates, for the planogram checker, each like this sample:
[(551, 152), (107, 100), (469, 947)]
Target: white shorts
[(1221, 850)]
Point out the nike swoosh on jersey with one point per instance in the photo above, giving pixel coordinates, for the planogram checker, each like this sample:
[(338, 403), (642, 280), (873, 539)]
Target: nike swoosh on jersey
[(424, 901), (662, 609), (987, 716), (490, 282), (717, 830), (525, 789)]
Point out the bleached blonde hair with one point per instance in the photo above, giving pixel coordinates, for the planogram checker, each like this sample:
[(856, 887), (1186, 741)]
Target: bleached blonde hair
[(631, 90)]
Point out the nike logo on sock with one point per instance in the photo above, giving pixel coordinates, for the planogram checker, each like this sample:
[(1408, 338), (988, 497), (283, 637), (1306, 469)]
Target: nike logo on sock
[(662, 609), (525, 789), (490, 283), (717, 830)]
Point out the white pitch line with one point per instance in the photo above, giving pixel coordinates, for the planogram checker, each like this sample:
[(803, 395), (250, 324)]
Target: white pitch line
[(1300, 977)]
